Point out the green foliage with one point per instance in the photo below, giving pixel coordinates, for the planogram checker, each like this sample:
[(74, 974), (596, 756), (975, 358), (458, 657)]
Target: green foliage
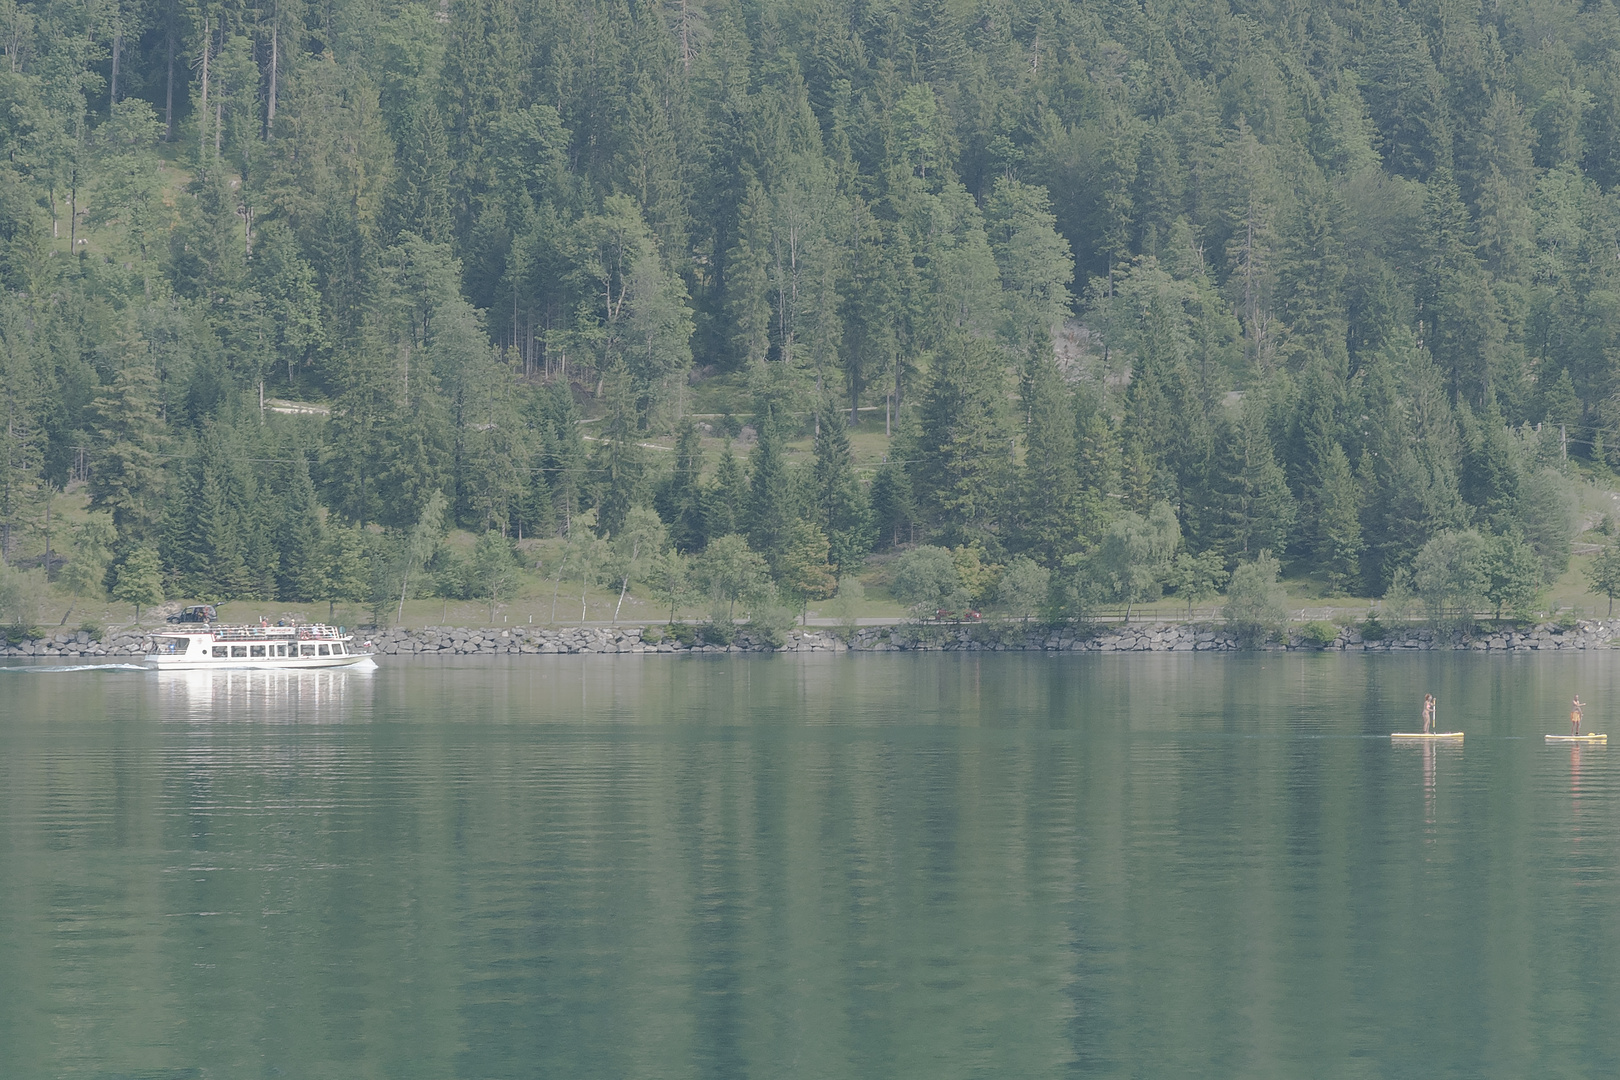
[(494, 570), (1023, 588), (89, 553), (1451, 575), (670, 580), (1513, 576), (925, 580), (1604, 573), (497, 249), (139, 580), (1319, 632), (1135, 557), (22, 592), (719, 632), (805, 572), (728, 571), (846, 606), (1197, 579), (1256, 603)]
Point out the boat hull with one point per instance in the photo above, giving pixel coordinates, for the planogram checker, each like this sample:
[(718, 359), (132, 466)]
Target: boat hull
[(278, 663)]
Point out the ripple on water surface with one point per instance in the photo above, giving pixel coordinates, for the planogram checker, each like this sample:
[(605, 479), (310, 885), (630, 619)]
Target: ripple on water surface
[(816, 866)]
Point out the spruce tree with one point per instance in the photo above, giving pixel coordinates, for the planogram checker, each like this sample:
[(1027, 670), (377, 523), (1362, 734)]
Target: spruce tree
[(964, 452), (893, 511), (127, 479), (300, 539), (619, 462), (1050, 520), (1336, 543), (773, 504), (679, 500), (725, 504), (842, 510)]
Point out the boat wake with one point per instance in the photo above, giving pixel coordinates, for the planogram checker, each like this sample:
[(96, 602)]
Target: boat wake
[(57, 669)]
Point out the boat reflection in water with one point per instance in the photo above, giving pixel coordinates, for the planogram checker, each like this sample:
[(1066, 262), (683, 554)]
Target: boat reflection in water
[(269, 695)]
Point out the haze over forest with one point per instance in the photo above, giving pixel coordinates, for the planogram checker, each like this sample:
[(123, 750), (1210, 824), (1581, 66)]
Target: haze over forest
[(1117, 282)]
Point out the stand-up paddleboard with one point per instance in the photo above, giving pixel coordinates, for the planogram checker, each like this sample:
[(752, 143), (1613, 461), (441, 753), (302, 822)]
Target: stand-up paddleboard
[(1578, 738), (1428, 735)]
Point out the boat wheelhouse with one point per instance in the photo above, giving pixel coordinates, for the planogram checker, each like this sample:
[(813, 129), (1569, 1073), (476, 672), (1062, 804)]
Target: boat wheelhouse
[(218, 646)]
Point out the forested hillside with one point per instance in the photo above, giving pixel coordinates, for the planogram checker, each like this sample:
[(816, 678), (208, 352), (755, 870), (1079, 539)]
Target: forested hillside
[(1140, 291)]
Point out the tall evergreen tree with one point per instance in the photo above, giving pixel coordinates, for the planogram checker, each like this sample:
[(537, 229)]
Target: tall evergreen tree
[(842, 511)]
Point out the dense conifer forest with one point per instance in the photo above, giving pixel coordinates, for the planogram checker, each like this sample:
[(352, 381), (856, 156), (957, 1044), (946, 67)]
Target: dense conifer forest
[(1131, 296)]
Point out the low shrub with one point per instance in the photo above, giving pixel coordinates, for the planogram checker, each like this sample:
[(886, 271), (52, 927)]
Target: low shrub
[(652, 635), (1319, 632), (94, 629), (718, 633), (1371, 629), (685, 633)]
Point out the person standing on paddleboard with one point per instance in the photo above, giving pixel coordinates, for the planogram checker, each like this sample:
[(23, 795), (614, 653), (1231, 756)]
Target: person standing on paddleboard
[(1576, 714), (1428, 712)]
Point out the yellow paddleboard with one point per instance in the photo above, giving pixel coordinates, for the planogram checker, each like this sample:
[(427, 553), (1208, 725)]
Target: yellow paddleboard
[(1578, 738), (1426, 735)]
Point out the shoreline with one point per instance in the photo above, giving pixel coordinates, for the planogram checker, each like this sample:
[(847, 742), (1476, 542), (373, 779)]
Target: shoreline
[(903, 637)]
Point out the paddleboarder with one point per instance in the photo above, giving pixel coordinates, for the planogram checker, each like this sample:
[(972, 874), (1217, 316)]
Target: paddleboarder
[(1428, 713), (1576, 714)]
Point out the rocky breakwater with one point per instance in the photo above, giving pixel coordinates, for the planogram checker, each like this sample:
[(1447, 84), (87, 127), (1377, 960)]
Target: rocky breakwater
[(1582, 634), (1013, 637), (905, 637), (81, 644), (491, 641)]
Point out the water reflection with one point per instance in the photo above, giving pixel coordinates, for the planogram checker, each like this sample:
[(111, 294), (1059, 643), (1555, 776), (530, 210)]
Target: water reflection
[(939, 866), (318, 696)]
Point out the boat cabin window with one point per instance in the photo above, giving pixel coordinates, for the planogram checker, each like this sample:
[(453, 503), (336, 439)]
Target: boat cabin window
[(239, 650), (221, 651), (325, 651), (337, 650), (255, 650), (281, 650), (308, 650)]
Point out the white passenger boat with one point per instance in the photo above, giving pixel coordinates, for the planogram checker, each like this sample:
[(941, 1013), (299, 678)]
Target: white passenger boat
[(216, 645)]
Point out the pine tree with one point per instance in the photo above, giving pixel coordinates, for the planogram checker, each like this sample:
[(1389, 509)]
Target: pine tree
[(301, 540), (893, 510), (773, 504), (126, 478), (964, 450), (345, 577), (842, 511), (138, 580), (1246, 506), (725, 504), (1336, 543), (1050, 519), (618, 462), (680, 497)]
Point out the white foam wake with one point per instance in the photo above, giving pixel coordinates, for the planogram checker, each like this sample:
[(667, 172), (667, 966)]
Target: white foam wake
[(56, 669)]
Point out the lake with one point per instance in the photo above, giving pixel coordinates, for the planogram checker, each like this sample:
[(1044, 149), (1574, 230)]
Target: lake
[(1009, 865)]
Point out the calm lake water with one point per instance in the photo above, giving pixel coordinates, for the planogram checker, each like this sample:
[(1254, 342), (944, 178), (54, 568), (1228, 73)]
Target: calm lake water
[(848, 866)]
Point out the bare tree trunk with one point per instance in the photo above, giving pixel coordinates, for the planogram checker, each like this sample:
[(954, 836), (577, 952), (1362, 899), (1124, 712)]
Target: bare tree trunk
[(202, 124), (275, 58), (168, 93), (49, 498)]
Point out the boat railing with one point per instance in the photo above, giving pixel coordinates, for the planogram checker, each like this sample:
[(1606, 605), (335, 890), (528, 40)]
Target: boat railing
[(302, 632)]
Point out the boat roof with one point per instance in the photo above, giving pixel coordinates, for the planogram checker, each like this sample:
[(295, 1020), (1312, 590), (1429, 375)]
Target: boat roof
[(257, 632)]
